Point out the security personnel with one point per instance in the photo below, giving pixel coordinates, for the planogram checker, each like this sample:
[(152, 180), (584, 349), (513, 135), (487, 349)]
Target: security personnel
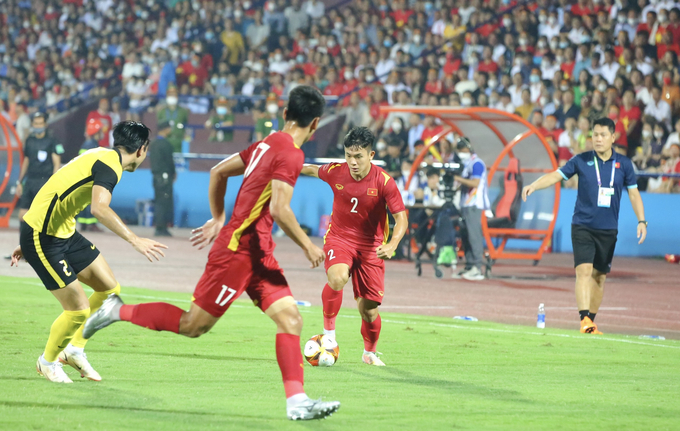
[(270, 122), (163, 170), (176, 116), (42, 158), (602, 176)]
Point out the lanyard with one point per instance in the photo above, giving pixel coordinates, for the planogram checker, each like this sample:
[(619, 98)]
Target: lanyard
[(597, 170)]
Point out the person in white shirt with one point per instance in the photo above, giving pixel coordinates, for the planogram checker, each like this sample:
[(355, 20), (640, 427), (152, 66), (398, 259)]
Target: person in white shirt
[(568, 138), (133, 67), (577, 31), (644, 94), (551, 29), (673, 138), (438, 24), (505, 104), (315, 9), (384, 66), (610, 67), (658, 108), (641, 62), (516, 89)]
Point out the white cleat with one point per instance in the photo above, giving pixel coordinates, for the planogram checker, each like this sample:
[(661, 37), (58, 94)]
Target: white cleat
[(107, 314), (371, 358), (474, 274), (81, 364), (313, 409), (53, 372)]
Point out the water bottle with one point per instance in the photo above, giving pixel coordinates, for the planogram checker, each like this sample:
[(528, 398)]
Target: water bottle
[(469, 318), (652, 337), (427, 199), (303, 303), (540, 322), (411, 199)]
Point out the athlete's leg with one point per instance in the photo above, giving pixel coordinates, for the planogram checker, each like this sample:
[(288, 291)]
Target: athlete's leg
[(76, 310), (596, 291), (584, 281), (288, 321), (370, 323), (338, 275)]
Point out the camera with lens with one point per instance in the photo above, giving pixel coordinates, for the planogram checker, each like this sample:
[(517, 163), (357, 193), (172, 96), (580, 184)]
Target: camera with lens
[(448, 178)]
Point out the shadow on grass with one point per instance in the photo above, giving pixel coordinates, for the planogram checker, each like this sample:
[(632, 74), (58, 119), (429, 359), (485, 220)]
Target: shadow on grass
[(467, 389), (187, 356)]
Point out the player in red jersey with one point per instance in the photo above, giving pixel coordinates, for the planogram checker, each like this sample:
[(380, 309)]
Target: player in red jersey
[(356, 241), (242, 257)]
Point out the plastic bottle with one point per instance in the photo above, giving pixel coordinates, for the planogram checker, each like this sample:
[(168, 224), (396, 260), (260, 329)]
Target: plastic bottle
[(411, 200), (470, 318), (303, 303), (427, 199), (653, 337), (540, 321)]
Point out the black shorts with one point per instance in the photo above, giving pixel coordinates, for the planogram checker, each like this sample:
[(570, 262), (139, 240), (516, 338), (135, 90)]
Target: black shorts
[(31, 188), (57, 261), (594, 246)]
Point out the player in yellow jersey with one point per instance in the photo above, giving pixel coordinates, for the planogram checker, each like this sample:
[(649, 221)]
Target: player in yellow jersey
[(63, 258)]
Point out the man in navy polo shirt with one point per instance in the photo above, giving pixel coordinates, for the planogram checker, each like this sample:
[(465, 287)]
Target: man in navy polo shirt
[(602, 176)]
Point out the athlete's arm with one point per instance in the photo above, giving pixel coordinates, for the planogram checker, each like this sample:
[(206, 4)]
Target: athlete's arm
[(101, 198), (22, 174), (310, 170), (639, 209), (219, 174), (56, 161), (545, 181), (280, 210), (386, 251)]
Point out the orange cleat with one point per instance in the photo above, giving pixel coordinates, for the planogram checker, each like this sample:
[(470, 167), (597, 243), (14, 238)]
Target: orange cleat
[(589, 327)]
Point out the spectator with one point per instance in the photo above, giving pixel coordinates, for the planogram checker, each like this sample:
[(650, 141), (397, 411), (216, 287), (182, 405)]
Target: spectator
[(164, 175), (257, 33), (176, 116), (673, 138), (526, 108), (393, 157), (219, 119), (620, 137), (658, 108), (23, 121), (567, 108), (415, 132), (103, 115), (192, 72), (505, 103)]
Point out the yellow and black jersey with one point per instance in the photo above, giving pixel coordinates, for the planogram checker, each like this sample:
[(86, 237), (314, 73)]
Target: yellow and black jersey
[(69, 191)]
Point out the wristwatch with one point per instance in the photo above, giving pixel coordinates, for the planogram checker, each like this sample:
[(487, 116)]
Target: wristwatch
[(643, 221)]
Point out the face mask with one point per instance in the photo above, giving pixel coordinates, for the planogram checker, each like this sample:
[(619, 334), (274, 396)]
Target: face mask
[(184, 57), (632, 22), (493, 84), (195, 63), (552, 20), (338, 25), (507, 22), (464, 157), (442, 61), (585, 39), (370, 78), (209, 36), (663, 18), (553, 45), (541, 44), (381, 146), (544, 101), (238, 13), (657, 135), (214, 81), (523, 41), (300, 58), (278, 57), (563, 44), (348, 75), (172, 100), (417, 39), (667, 81), (542, 18), (387, 43), (535, 79), (646, 134), (246, 5), (405, 174), (556, 103), (37, 130), (396, 126), (466, 101), (221, 110), (621, 19), (602, 87), (559, 59), (223, 81), (564, 87), (272, 108)]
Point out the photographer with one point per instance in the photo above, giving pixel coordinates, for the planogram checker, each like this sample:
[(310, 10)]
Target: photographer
[(474, 200)]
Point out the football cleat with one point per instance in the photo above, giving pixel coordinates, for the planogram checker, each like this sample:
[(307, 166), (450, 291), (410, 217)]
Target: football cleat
[(107, 314), (81, 364), (589, 327), (312, 409), (371, 358), (53, 372)]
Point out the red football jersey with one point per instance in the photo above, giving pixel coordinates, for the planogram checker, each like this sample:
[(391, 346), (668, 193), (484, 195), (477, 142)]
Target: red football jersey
[(360, 207), (249, 229)]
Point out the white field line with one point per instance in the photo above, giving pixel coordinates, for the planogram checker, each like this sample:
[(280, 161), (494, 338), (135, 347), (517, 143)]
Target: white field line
[(444, 325)]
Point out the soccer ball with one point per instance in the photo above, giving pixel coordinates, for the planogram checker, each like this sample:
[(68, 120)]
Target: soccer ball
[(321, 350)]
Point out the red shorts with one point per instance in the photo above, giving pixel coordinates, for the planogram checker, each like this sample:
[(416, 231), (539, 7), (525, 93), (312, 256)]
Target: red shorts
[(365, 268), (227, 275)]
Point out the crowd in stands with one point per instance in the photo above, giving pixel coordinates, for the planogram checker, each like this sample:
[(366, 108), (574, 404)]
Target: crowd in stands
[(556, 63)]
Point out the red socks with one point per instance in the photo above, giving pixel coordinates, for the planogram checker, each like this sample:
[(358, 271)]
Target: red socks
[(289, 357), (158, 316), (332, 301), (371, 333)]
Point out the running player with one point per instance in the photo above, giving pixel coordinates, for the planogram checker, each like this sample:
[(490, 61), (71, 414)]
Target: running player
[(63, 258), (242, 257), (356, 241)]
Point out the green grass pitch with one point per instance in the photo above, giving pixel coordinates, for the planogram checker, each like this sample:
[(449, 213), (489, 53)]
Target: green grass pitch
[(440, 374)]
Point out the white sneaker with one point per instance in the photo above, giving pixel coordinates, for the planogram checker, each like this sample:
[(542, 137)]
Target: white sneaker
[(473, 274), (371, 358), (312, 409), (53, 372), (80, 363), (458, 275)]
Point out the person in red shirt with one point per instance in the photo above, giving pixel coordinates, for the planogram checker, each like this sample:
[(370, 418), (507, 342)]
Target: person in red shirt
[(581, 8), (102, 114), (348, 86), (551, 129), (379, 99), (620, 137), (674, 26), (630, 114), (356, 243), (242, 258), (430, 130), (193, 72), (567, 66), (433, 85), (400, 15), (334, 88), (487, 65)]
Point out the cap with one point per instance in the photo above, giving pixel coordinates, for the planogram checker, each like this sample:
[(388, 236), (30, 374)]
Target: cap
[(222, 101), (163, 124), (93, 126), (463, 142)]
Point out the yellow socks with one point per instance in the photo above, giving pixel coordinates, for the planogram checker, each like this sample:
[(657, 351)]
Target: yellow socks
[(96, 301), (62, 331)]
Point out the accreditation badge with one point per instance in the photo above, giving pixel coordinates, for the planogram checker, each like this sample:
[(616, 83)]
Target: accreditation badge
[(604, 197)]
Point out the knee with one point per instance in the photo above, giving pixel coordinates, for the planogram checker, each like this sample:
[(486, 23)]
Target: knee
[(368, 314), (291, 323), (583, 272), (337, 281)]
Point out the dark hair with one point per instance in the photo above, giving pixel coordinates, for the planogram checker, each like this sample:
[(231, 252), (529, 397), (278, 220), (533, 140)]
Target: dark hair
[(359, 137), (131, 135), (605, 122), (432, 172), (305, 103), (38, 114)]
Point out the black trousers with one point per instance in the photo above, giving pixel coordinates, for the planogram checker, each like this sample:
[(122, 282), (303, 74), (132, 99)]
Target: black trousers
[(163, 201)]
